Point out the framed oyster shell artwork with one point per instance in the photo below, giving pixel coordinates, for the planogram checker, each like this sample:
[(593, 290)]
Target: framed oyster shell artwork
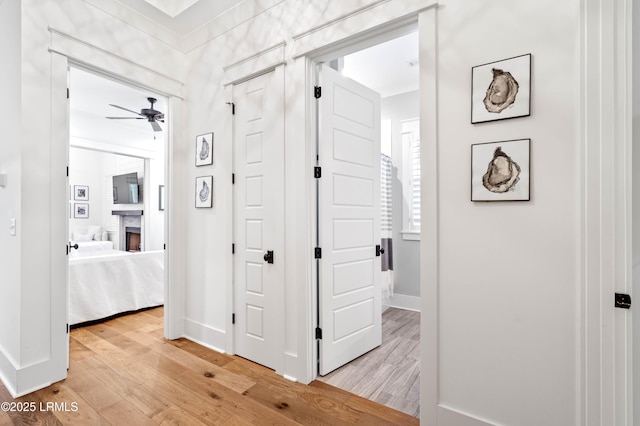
[(500, 171), (501, 89), (204, 192), (204, 149)]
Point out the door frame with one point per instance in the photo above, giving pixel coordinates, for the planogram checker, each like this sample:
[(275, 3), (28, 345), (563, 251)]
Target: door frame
[(67, 51), (605, 212), (427, 34)]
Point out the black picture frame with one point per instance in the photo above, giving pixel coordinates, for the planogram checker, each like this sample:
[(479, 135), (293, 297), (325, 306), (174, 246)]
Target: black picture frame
[(204, 149), (204, 192), (501, 89), (501, 171)]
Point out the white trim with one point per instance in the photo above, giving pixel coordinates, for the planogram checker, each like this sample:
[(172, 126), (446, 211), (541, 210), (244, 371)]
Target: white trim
[(340, 18), (410, 235), (257, 64), (205, 335), (404, 301), (429, 260), (450, 417), (175, 252), (108, 63), (604, 210), (384, 22)]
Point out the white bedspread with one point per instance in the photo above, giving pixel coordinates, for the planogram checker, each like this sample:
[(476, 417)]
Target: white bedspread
[(114, 282), (91, 248)]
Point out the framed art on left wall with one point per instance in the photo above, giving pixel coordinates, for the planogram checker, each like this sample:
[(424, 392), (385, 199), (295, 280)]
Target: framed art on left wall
[(81, 211)]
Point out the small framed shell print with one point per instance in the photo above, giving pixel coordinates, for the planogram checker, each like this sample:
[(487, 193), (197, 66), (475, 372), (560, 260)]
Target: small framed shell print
[(204, 192), (500, 171), (204, 149), (501, 89)]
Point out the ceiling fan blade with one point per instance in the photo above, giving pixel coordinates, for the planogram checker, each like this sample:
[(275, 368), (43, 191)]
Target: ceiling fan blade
[(126, 118), (126, 109), (156, 126)]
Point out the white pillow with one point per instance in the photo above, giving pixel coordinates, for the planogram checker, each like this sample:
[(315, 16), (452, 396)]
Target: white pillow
[(96, 232), (77, 237)]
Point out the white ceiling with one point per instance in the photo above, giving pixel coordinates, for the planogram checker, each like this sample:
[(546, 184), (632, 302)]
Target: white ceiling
[(181, 16), (90, 96), (389, 68)]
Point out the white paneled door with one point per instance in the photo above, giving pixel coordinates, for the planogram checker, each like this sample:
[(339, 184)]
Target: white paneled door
[(258, 150), (349, 220)]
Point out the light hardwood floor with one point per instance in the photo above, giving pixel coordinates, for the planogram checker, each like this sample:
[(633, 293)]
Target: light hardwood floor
[(123, 371), (389, 374)]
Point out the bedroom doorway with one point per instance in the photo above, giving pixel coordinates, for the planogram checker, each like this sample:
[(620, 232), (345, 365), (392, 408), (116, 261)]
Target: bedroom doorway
[(116, 220), (389, 66)]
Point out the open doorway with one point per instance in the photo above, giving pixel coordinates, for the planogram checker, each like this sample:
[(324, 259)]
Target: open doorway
[(116, 198), (390, 373)]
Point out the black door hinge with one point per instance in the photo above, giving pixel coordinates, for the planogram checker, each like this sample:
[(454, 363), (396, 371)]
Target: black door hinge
[(317, 92), (67, 171), (67, 328), (317, 172), (164, 246), (318, 253), (318, 333), (622, 301), (233, 318), (233, 108), (67, 93), (233, 249), (233, 178)]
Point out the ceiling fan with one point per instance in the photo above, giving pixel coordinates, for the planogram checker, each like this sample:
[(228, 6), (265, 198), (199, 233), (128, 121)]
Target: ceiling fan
[(150, 114)]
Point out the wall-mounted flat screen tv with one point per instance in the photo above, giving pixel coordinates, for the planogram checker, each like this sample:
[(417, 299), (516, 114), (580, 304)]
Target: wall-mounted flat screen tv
[(126, 189)]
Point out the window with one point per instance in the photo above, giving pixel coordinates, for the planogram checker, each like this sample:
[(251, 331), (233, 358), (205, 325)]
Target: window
[(411, 179)]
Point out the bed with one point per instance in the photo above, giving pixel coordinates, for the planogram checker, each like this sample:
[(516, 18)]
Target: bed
[(104, 282)]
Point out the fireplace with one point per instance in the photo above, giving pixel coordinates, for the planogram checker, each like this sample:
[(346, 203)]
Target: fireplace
[(130, 230), (132, 238)]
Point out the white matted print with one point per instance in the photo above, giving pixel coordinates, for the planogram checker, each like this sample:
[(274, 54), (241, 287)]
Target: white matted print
[(204, 192), (81, 211), (501, 89), (500, 171), (204, 149), (80, 192)]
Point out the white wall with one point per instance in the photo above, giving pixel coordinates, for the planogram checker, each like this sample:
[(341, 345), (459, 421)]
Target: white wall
[(10, 195), (508, 272), (86, 168), (406, 253)]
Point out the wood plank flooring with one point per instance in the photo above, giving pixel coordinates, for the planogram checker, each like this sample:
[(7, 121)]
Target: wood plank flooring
[(389, 374), (123, 371)]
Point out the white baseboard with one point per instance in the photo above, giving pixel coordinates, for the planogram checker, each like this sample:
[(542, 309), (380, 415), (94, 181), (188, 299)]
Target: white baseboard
[(450, 417), (205, 335), (24, 380), (8, 374), (403, 301)]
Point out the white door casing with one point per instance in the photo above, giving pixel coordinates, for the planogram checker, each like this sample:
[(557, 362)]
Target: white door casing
[(349, 220), (259, 218)]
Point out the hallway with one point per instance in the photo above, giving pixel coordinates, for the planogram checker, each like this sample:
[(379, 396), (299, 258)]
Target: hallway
[(123, 371)]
